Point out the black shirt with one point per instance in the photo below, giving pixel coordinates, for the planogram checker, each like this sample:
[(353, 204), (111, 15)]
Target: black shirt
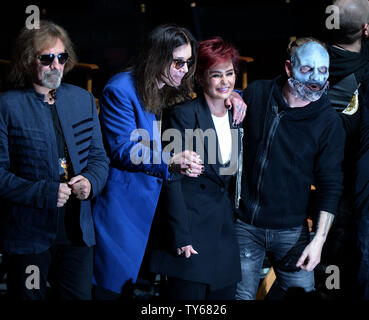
[(68, 231)]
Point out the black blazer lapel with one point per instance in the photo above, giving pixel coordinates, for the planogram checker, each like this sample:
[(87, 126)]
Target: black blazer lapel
[(211, 151), (62, 105), (232, 166)]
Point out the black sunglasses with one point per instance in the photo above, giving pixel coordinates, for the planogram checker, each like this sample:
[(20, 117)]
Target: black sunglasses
[(178, 63), (47, 59)]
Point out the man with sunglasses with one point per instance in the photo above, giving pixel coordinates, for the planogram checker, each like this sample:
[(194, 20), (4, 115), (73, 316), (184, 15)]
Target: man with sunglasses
[(52, 162)]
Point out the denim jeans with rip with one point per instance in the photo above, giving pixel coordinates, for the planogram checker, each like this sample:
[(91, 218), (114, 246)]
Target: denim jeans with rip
[(283, 247)]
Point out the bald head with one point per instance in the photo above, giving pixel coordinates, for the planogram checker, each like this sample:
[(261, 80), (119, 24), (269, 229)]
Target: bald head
[(354, 15)]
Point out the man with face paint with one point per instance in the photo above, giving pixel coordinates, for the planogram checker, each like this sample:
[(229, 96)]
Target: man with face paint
[(52, 162), (308, 79), (293, 139)]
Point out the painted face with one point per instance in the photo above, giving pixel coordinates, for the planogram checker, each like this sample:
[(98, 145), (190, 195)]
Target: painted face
[(50, 76), (182, 54), (219, 80), (310, 73)]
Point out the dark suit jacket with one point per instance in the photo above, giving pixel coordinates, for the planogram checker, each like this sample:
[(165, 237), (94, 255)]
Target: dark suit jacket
[(29, 177), (198, 211)]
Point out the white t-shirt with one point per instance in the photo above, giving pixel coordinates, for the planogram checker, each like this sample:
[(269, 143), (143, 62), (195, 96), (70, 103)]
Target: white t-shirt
[(224, 135)]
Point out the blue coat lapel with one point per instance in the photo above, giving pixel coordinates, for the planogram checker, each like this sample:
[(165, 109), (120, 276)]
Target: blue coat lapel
[(63, 104)]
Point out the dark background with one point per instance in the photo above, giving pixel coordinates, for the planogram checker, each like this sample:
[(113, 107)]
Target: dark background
[(108, 32)]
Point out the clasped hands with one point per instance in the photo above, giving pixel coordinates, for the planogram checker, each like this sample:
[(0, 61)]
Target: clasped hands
[(78, 185), (188, 163)]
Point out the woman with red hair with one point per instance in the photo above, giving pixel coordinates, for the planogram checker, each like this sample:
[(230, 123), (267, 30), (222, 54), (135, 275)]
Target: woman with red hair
[(200, 255)]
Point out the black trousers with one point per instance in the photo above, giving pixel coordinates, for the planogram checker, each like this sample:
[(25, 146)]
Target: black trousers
[(179, 289), (68, 270)]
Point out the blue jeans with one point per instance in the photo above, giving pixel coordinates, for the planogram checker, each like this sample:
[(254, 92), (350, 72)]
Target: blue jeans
[(283, 247)]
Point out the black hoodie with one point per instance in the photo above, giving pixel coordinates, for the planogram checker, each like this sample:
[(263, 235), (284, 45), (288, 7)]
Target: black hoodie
[(286, 151)]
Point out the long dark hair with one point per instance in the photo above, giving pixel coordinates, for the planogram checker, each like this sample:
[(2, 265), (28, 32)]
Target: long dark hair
[(155, 59), (30, 43)]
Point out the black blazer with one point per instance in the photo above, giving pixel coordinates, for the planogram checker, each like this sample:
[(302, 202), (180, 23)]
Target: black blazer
[(198, 211)]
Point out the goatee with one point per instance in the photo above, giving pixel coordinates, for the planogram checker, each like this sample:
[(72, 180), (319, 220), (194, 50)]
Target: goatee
[(52, 78)]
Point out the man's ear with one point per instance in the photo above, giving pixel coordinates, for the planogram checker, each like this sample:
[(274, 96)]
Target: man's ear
[(288, 68)]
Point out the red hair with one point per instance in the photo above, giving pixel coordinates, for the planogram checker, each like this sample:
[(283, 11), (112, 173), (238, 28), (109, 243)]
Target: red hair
[(212, 51)]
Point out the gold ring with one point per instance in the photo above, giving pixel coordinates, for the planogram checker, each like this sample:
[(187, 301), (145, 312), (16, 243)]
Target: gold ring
[(189, 170)]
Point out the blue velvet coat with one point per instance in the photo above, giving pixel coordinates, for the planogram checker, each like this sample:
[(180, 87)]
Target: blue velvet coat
[(123, 212)]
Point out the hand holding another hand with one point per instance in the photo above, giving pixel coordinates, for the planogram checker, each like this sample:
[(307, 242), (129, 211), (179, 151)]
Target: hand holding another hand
[(188, 163)]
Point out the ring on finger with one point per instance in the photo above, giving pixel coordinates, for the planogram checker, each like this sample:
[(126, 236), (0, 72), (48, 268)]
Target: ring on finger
[(189, 170)]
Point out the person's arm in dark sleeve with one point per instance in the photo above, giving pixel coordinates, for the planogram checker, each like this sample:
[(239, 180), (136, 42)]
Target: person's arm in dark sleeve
[(328, 176), (37, 194), (328, 172), (178, 217), (362, 167)]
